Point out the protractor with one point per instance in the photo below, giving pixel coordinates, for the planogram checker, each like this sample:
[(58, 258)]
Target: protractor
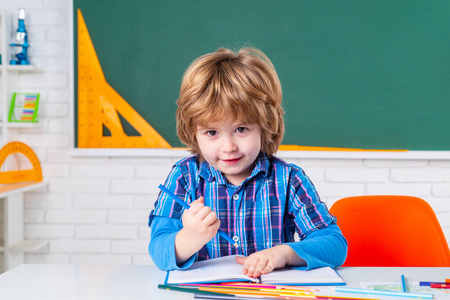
[(34, 174)]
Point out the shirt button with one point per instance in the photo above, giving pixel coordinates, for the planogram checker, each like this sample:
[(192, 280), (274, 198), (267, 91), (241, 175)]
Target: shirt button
[(235, 197), (236, 238)]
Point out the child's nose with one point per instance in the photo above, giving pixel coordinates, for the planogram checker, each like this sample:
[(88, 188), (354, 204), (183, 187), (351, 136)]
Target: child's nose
[(229, 145)]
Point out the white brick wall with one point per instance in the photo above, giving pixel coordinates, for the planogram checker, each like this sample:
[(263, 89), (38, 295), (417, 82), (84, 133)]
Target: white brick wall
[(95, 209)]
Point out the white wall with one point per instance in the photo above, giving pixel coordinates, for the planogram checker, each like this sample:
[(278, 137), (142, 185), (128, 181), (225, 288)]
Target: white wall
[(94, 209)]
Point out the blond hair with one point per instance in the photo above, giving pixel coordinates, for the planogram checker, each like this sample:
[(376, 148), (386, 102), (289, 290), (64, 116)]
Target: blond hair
[(224, 85)]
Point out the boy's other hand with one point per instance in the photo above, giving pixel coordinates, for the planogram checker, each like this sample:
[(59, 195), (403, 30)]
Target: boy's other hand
[(265, 261)]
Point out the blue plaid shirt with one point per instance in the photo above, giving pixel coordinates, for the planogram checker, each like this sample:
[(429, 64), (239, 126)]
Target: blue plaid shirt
[(273, 203)]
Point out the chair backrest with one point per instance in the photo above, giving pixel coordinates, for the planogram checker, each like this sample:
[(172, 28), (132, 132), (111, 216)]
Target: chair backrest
[(391, 231)]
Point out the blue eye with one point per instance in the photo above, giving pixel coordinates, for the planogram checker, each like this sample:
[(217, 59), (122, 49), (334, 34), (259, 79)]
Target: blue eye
[(241, 129)]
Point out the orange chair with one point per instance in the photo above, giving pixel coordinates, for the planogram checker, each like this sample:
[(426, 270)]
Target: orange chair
[(391, 231)]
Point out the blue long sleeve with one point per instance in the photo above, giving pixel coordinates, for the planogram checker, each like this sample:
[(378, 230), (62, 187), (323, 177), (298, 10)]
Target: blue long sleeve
[(162, 244), (323, 247)]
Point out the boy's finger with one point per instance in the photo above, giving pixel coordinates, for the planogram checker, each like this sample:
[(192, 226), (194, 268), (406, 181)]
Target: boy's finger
[(203, 212), (216, 224), (251, 271), (195, 206), (267, 270), (241, 259), (262, 265), (198, 201), (210, 218)]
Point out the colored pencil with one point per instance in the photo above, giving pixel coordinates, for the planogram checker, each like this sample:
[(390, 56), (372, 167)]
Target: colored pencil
[(378, 292), (275, 293), (341, 298), (268, 290), (251, 286), (217, 295), (268, 286), (236, 294), (234, 297), (186, 206), (428, 283), (447, 280), (404, 288), (231, 297), (253, 292), (440, 285), (186, 290)]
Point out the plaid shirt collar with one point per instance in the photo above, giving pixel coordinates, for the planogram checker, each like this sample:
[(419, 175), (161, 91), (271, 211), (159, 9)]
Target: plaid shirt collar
[(209, 173)]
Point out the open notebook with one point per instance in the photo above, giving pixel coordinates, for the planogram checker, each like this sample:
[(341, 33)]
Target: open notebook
[(226, 269)]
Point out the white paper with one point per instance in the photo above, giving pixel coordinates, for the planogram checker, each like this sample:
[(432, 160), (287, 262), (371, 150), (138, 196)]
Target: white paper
[(218, 269), (315, 276), (226, 269)]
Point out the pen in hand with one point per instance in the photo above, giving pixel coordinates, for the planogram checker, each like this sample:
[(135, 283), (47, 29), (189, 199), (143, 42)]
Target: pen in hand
[(186, 206)]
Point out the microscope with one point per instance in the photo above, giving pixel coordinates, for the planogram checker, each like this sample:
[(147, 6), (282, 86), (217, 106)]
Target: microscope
[(21, 58)]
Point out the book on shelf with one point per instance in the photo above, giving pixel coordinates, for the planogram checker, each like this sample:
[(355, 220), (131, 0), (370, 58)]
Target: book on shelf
[(226, 269)]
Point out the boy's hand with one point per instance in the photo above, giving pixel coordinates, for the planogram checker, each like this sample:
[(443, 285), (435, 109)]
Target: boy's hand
[(265, 261), (200, 225), (200, 221)]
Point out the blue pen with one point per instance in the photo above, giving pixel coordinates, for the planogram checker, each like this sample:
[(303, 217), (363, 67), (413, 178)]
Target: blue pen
[(186, 206), (404, 288)]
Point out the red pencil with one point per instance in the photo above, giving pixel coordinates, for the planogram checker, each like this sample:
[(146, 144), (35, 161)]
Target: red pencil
[(440, 285), (341, 298)]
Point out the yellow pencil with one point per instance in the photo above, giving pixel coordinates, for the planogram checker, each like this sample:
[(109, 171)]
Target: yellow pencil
[(257, 288), (259, 285), (256, 292)]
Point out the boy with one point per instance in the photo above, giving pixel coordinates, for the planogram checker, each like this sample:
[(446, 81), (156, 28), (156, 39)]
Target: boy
[(230, 116)]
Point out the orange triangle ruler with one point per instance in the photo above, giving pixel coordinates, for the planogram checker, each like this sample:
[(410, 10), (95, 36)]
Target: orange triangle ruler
[(99, 105)]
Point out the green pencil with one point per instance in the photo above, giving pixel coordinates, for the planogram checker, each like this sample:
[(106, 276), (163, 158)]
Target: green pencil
[(186, 289), (198, 293)]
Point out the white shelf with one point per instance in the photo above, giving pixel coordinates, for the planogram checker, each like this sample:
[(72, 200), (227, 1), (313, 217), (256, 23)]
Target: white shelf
[(9, 76), (13, 245), (20, 187), (24, 246), (28, 246), (20, 68), (22, 125)]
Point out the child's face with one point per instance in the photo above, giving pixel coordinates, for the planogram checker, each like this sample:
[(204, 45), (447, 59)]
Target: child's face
[(230, 148)]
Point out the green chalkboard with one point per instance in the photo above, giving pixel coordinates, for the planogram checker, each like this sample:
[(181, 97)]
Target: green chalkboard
[(369, 74)]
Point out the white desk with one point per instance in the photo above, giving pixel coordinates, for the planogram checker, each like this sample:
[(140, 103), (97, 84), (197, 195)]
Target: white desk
[(111, 282)]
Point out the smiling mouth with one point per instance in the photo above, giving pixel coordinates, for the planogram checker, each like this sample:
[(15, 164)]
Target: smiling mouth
[(231, 161)]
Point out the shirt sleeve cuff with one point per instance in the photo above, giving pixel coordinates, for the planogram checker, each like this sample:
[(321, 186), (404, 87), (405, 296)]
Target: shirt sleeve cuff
[(162, 244), (173, 261), (324, 247)]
